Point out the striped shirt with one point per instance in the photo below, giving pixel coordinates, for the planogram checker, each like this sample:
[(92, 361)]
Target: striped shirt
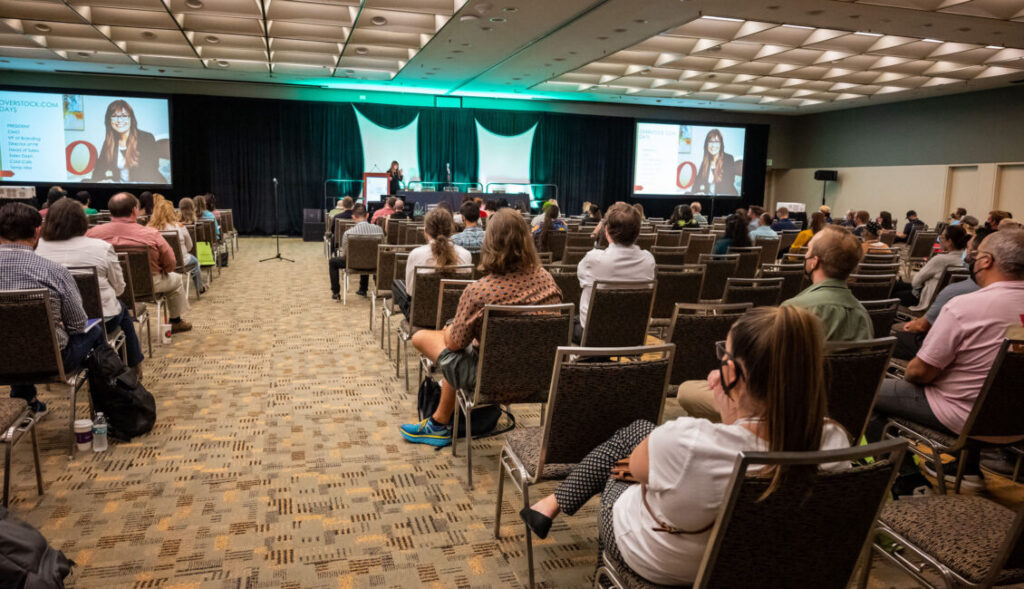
[(22, 269)]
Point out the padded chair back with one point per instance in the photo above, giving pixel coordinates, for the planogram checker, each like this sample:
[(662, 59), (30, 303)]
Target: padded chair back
[(887, 236), (796, 525), (89, 288), (951, 274), (29, 346), (871, 287), (142, 278), (556, 243), (719, 268), (174, 240), (618, 314), (875, 256), (876, 269), (922, 245), (448, 299), (590, 400), (423, 313), (694, 330), (227, 220), (394, 230), (760, 292), (573, 255), (340, 227), (769, 249), (579, 239), (676, 284), (700, 244), (204, 231), (883, 315), (998, 408), (545, 257), (786, 238), (401, 262), (191, 228), (127, 296), (792, 276), (645, 240), (517, 351), (671, 256), (853, 375), (750, 261), (362, 252), (668, 238), (568, 281)]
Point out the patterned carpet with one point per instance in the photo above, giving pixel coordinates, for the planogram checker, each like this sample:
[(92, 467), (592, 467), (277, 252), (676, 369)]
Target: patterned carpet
[(276, 462)]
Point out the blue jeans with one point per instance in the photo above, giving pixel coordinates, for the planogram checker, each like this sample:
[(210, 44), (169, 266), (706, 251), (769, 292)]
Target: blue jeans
[(73, 355), (196, 271), (132, 347)]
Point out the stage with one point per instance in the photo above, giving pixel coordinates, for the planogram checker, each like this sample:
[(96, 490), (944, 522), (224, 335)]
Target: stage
[(454, 199)]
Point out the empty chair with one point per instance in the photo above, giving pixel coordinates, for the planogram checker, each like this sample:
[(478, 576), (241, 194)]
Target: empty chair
[(750, 261), (871, 287), (671, 256), (853, 375), (921, 246), (645, 240), (876, 256), (545, 257), (793, 278), (769, 249), (579, 239), (142, 279), (786, 238), (760, 292), (568, 281), (719, 268), (883, 315), (573, 255), (668, 238), (618, 313), (699, 244), (676, 284), (556, 244), (887, 236), (694, 330), (863, 268)]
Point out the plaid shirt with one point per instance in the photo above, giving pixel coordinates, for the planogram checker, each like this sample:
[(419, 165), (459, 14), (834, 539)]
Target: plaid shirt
[(22, 269), (360, 228), (471, 238)]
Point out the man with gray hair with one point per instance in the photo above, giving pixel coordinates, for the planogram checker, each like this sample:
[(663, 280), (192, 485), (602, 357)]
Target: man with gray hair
[(699, 218), (944, 379)]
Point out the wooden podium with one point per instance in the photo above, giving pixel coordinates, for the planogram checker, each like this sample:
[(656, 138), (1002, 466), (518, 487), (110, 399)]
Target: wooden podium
[(375, 185)]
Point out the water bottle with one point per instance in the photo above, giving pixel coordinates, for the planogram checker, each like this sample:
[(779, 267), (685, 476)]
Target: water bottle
[(99, 433)]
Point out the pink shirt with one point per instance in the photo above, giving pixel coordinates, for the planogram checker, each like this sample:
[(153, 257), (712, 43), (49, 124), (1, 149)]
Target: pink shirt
[(126, 231), (964, 343)]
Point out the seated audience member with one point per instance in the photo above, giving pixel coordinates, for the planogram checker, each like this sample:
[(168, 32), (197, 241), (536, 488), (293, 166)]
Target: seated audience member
[(53, 195), (1009, 224), (502, 203), (818, 222), (346, 208), (336, 264), (827, 211), (438, 251), (850, 221), (682, 217), (124, 230), (832, 254), (472, 237), (699, 218), (544, 224), (970, 224), (913, 224), (400, 212), (480, 206), (910, 337), (83, 197), (994, 218), (593, 216), (782, 221), (388, 209), (146, 203), (62, 240), (457, 215), (513, 275), (918, 294), (622, 260), (490, 207), (944, 379), (861, 220), (165, 219), (22, 269), (187, 211), (885, 220), (870, 234), (203, 212), (771, 380), (210, 212), (754, 217), (735, 235), (957, 216), (338, 208), (763, 229)]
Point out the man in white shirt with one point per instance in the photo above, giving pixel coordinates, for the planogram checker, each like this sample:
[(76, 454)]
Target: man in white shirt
[(623, 260)]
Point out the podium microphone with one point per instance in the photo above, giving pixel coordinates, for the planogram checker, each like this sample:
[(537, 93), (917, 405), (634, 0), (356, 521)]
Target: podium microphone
[(275, 181)]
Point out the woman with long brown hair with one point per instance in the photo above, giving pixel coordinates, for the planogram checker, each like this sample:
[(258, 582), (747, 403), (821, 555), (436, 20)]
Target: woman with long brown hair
[(439, 250), (187, 211), (513, 276), (817, 224), (128, 154), (770, 391), (717, 172), (549, 222), (165, 219)]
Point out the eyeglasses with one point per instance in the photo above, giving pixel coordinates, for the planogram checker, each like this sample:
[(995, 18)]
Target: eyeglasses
[(120, 117), (723, 360)]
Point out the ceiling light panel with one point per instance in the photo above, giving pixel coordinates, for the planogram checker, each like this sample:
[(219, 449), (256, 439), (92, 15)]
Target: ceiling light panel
[(992, 9)]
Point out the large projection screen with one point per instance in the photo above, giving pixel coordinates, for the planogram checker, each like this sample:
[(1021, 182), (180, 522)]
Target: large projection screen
[(676, 159), (84, 138)]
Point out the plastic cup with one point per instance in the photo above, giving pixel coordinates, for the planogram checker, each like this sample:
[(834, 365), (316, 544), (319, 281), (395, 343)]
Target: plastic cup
[(83, 433)]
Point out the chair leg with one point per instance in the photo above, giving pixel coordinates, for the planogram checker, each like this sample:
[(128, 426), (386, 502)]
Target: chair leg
[(455, 424), (865, 568), (71, 421), (529, 536), (344, 288), (7, 471), (469, 449), (501, 489), (35, 456), (149, 336), (398, 354), (373, 311)]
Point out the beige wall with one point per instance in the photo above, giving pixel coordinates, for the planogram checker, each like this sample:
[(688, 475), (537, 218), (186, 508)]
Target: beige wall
[(932, 190)]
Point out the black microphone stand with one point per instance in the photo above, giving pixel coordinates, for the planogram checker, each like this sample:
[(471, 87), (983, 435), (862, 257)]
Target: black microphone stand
[(277, 234)]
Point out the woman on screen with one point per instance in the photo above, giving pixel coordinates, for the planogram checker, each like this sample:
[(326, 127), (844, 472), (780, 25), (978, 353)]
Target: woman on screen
[(128, 154), (717, 172)]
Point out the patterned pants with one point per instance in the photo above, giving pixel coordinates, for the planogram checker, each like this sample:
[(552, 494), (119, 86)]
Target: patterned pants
[(592, 476)]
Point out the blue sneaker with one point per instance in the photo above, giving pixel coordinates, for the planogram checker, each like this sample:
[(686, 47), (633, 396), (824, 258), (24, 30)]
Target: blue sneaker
[(427, 432)]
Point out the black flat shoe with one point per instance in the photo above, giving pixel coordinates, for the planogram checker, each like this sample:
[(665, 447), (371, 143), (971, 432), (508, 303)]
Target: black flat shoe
[(538, 523)]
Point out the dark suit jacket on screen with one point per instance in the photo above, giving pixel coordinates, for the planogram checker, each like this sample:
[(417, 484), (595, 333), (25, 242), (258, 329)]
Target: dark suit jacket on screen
[(147, 171)]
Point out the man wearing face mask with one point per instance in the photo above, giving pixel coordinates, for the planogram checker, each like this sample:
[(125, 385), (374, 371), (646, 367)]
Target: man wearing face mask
[(944, 379)]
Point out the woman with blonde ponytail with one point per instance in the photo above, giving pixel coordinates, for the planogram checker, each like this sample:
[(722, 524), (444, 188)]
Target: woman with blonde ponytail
[(439, 249), (770, 392)]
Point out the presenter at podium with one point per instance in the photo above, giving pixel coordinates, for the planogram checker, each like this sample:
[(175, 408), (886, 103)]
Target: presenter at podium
[(394, 178), (717, 172)]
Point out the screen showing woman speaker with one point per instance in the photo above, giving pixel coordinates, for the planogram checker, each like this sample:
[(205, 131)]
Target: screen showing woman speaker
[(84, 138), (688, 159)]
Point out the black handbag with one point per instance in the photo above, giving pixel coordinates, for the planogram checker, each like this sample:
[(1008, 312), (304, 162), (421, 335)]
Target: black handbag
[(484, 419)]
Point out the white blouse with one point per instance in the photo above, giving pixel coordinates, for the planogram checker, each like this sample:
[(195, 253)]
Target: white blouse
[(86, 251)]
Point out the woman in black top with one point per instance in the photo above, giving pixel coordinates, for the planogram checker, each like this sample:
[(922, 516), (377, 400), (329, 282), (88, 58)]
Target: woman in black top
[(128, 154), (394, 178)]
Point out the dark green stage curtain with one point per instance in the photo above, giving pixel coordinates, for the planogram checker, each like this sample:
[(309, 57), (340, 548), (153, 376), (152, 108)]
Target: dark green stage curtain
[(388, 116), (507, 122), (447, 135)]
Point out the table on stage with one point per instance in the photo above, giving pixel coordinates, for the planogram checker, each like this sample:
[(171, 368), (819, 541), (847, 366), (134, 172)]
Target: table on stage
[(454, 199)]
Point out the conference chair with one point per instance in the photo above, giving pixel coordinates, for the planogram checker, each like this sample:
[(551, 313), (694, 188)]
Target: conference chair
[(920, 249), (16, 419), (719, 268), (383, 279), (578, 239), (568, 281), (587, 403), (361, 259), (545, 258), (795, 528), (694, 330), (572, 255), (556, 244), (769, 249), (388, 308), (676, 284), (449, 293), (887, 236), (207, 229), (191, 228), (853, 375), (871, 287), (394, 230), (786, 238), (32, 355), (227, 229), (518, 344), (142, 279), (205, 233), (618, 313), (864, 268), (700, 244), (669, 255), (137, 310), (668, 238), (691, 231), (793, 278), (750, 261), (760, 292), (174, 240), (645, 240), (88, 283), (879, 256), (883, 315), (996, 412)]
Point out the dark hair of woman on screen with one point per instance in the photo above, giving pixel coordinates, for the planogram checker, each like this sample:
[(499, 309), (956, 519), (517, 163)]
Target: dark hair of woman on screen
[(717, 171), (128, 154)]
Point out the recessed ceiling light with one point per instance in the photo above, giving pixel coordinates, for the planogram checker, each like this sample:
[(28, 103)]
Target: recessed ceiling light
[(620, 30), (212, 40), (559, 59), (798, 27), (84, 54), (223, 63), (510, 9), (602, 38), (194, 4), (362, 50), (723, 18), (42, 28), (350, 71), (486, 29), (931, 41), (867, 34), (994, 47), (468, 18), (640, 21), (379, 21), (148, 35), (456, 51), (498, 19)]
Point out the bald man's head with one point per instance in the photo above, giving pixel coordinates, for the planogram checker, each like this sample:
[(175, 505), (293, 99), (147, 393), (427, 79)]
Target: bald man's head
[(122, 204)]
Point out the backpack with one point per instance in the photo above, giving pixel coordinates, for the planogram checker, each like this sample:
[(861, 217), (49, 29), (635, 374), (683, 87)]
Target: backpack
[(129, 408), (26, 559), (484, 419)]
